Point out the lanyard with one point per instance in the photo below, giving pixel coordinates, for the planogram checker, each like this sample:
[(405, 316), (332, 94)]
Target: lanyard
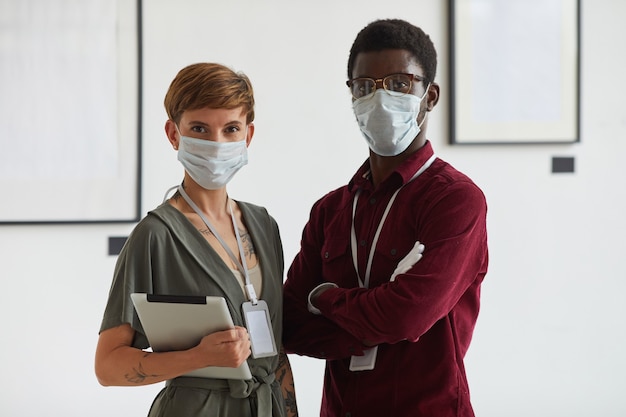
[(370, 258), (241, 266)]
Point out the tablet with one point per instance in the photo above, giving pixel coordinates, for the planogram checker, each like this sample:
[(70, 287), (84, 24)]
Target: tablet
[(174, 322)]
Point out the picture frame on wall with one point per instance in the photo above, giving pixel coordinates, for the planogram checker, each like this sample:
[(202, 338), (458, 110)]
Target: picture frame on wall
[(70, 76), (514, 71)]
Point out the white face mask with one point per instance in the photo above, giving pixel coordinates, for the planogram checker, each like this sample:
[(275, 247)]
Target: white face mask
[(212, 164), (388, 122)]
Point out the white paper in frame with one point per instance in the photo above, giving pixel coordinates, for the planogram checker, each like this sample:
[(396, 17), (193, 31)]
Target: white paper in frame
[(70, 108), (514, 71)]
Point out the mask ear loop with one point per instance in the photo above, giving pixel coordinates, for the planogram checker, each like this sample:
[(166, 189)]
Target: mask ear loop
[(169, 190), (425, 111), (423, 120)]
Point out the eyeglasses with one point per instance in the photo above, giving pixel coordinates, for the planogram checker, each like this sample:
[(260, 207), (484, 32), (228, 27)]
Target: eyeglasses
[(394, 84)]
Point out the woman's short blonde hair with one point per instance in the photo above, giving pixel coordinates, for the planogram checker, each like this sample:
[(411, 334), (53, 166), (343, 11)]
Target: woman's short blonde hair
[(209, 85)]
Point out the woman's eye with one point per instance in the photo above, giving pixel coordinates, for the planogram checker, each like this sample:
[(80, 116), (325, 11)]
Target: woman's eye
[(232, 129), (198, 129)]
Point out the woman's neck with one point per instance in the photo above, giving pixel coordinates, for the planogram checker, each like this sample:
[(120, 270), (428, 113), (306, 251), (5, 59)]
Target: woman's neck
[(213, 203)]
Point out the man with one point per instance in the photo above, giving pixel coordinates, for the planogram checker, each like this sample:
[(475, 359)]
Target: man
[(386, 286)]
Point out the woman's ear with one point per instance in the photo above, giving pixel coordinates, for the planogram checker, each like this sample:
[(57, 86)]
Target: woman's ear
[(249, 134), (172, 133)]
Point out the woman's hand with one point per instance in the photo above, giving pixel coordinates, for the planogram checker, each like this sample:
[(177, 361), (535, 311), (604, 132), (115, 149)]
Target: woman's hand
[(228, 348)]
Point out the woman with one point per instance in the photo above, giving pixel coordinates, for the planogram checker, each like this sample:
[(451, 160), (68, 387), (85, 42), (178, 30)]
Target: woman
[(201, 242)]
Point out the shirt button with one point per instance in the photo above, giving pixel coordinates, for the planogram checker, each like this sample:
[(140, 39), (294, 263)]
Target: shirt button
[(362, 243), (372, 201), (348, 414), (326, 255), (393, 252)]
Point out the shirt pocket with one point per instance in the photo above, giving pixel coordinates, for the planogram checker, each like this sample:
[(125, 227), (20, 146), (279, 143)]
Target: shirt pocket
[(337, 267), (387, 255)]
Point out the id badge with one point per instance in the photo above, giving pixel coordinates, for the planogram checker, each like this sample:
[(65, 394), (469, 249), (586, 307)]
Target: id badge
[(259, 327), (365, 362)]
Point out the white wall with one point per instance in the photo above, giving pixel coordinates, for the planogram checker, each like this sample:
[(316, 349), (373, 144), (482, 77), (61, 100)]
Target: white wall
[(549, 339)]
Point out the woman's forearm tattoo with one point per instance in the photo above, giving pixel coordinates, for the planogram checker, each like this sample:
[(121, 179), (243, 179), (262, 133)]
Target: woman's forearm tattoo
[(139, 376)]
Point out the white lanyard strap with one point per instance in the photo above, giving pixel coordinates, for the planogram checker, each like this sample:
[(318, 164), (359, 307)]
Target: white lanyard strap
[(241, 266), (353, 241)]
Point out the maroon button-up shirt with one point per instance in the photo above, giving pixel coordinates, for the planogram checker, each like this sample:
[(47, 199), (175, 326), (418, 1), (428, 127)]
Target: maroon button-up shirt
[(422, 321)]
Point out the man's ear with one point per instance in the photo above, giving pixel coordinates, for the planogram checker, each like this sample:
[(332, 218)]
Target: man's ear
[(432, 97)]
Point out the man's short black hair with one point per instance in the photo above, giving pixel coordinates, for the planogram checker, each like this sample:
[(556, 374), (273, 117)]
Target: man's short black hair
[(396, 34)]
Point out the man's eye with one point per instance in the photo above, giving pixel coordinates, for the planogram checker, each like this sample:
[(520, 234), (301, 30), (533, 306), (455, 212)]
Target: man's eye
[(398, 85), (198, 129), (362, 89)]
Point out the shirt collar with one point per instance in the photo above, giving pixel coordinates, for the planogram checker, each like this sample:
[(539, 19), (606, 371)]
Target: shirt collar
[(403, 173)]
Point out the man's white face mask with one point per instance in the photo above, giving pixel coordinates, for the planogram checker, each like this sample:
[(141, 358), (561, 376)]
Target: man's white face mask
[(388, 122)]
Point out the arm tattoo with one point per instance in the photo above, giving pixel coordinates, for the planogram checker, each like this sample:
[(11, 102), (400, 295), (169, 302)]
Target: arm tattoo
[(288, 386), (140, 375), (281, 370), (290, 401)]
